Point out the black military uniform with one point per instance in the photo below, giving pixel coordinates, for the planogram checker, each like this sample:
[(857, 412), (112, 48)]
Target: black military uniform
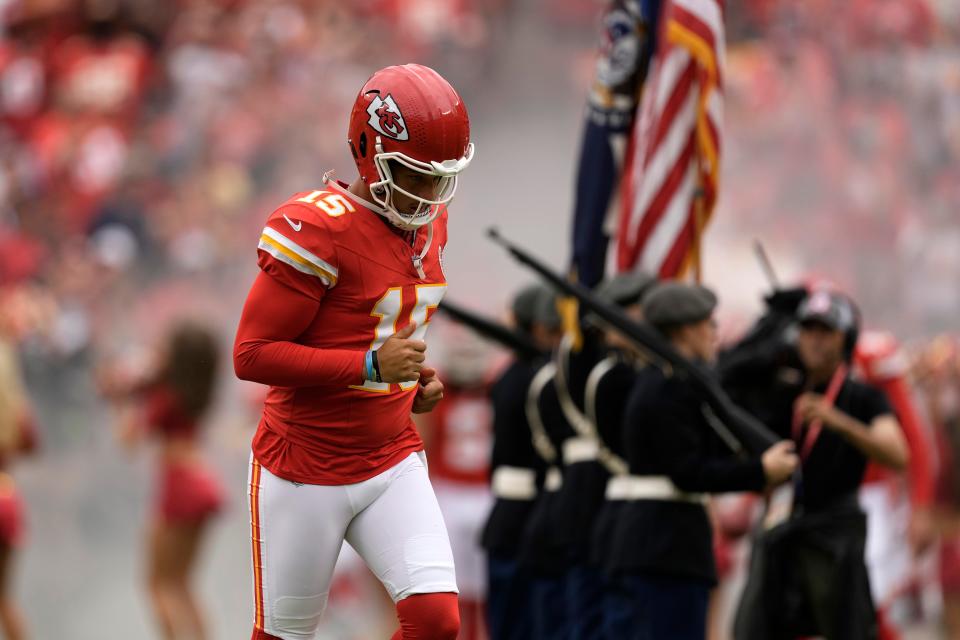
[(518, 473), (542, 549), (588, 460), (661, 552), (608, 389)]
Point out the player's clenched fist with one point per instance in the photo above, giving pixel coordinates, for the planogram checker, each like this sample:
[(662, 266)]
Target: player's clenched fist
[(429, 391), (400, 358)]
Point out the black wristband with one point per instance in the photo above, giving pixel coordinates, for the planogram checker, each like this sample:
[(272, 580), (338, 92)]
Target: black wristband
[(376, 366)]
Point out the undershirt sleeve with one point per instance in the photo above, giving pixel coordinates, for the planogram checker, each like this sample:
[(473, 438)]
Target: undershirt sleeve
[(265, 351)]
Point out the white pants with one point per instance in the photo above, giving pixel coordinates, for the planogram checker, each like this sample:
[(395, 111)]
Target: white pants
[(392, 520), (888, 555)]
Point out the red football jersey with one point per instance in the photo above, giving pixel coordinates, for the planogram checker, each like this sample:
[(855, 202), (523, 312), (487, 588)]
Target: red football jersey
[(462, 436), (329, 246), (882, 363)]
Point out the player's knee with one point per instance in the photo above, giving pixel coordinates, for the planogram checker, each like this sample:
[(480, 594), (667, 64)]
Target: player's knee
[(447, 627), (446, 624), (297, 617), (429, 616)]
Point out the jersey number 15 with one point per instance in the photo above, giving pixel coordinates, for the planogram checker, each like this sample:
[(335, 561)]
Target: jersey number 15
[(388, 309)]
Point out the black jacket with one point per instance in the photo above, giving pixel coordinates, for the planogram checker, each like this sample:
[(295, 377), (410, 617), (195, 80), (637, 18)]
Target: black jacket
[(606, 407), (543, 549), (584, 482), (512, 446), (665, 433)]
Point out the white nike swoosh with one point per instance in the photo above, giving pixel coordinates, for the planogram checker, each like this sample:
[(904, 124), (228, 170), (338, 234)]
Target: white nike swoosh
[(296, 227)]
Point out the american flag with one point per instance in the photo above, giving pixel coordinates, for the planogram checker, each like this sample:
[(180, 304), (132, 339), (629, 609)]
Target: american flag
[(671, 176)]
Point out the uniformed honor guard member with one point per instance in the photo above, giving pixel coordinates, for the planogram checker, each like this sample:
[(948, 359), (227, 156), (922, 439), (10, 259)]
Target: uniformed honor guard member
[(582, 362), (605, 400), (661, 553), (542, 550), (517, 471)]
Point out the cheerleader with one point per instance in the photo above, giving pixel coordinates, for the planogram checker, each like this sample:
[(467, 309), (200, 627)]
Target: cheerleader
[(167, 405), (17, 436)]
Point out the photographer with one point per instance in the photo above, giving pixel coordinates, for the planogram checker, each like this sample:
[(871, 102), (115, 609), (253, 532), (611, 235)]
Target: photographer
[(807, 574)]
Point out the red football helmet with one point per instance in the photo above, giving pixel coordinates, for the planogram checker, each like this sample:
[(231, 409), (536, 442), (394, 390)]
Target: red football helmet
[(879, 357), (411, 115)]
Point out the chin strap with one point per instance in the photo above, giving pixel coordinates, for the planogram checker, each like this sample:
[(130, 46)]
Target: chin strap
[(417, 260)]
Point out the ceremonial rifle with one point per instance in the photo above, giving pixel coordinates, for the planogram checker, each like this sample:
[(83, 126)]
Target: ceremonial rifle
[(492, 330), (748, 432)]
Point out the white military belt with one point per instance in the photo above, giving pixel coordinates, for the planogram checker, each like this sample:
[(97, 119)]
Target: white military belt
[(649, 488), (554, 479), (514, 483), (580, 449)]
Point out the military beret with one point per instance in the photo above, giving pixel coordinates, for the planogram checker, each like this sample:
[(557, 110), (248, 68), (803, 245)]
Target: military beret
[(677, 303), (626, 289), (536, 304), (547, 313), (526, 305)]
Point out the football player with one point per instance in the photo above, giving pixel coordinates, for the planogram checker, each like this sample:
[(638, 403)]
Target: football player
[(334, 322), (900, 523)]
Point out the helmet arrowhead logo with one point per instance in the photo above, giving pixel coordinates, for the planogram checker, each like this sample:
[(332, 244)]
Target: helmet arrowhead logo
[(386, 118)]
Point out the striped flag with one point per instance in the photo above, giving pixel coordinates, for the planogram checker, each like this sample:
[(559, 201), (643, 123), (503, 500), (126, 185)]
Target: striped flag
[(671, 177)]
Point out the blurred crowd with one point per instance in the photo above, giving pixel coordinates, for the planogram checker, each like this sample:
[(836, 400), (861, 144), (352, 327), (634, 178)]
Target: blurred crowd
[(142, 144), (843, 147)]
